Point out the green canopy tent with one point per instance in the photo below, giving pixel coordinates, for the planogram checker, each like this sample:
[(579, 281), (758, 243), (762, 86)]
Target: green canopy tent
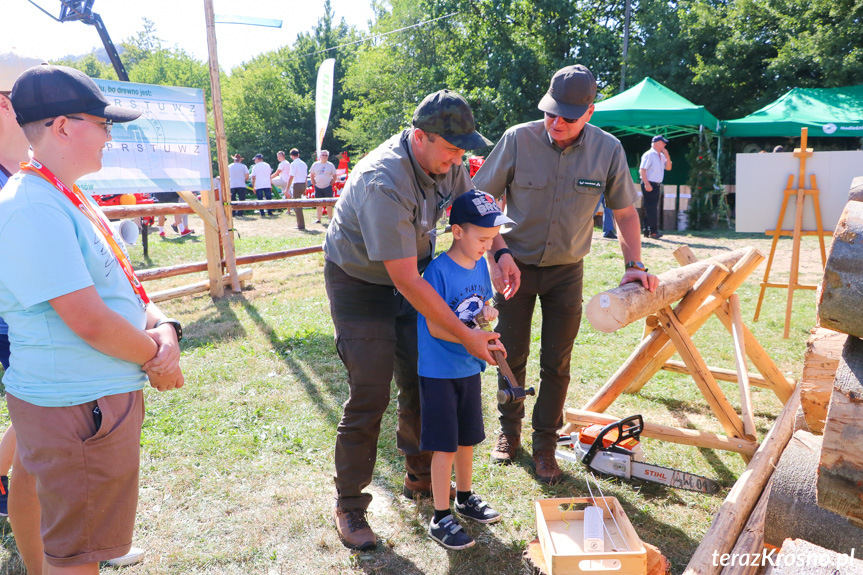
[(831, 112), (649, 108)]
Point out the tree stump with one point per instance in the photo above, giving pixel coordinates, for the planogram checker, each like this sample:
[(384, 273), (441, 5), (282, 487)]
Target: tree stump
[(792, 559)]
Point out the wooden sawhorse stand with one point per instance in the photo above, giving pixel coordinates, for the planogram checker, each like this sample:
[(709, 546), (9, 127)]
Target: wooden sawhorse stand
[(671, 331), (800, 193)]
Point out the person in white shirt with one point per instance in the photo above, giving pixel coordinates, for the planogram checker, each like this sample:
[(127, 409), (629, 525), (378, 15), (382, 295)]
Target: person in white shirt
[(281, 175), (654, 163), (297, 182), (239, 175), (323, 174), (261, 173)]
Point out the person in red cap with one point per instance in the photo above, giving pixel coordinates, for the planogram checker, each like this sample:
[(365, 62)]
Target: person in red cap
[(86, 337), (553, 172)]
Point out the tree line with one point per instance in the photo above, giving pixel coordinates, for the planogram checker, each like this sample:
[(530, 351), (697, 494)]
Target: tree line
[(732, 56)]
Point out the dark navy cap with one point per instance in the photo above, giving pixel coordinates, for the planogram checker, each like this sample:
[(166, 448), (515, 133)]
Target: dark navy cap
[(258, 157), (659, 139), (49, 91), (477, 208)]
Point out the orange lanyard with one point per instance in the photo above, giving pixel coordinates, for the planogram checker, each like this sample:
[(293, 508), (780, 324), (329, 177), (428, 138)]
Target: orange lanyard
[(97, 218)]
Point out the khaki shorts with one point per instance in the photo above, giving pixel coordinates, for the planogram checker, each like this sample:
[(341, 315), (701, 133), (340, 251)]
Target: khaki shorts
[(86, 479)]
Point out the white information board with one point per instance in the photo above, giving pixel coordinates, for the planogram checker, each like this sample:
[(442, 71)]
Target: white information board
[(165, 150), (761, 180)]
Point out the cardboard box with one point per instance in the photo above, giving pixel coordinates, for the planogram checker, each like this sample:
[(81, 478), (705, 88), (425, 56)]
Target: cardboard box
[(560, 524)]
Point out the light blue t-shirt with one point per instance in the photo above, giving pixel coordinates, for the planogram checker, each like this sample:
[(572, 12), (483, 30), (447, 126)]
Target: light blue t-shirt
[(4, 327), (465, 292), (48, 248)]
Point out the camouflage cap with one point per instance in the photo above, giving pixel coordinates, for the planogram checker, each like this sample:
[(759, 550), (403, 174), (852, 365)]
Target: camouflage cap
[(571, 92), (448, 114)]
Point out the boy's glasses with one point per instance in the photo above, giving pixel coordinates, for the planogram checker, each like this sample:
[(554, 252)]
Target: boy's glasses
[(106, 125), (567, 120)]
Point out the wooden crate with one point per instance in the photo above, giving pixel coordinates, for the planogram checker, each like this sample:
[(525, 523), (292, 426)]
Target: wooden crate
[(561, 535)]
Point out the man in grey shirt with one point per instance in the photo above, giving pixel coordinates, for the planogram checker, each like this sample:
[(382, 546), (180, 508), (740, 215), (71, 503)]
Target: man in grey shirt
[(381, 239), (553, 172)]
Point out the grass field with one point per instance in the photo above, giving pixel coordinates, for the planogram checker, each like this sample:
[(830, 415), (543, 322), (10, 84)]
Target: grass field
[(236, 469)]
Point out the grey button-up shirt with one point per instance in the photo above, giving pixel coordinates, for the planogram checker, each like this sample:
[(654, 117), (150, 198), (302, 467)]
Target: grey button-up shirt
[(551, 193), (388, 211)]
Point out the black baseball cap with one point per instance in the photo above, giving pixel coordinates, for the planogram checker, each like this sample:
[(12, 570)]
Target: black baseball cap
[(448, 114), (477, 208), (571, 92), (50, 91)]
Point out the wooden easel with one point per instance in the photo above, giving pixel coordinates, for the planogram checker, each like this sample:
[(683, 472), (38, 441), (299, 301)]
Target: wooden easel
[(800, 193), (670, 331)]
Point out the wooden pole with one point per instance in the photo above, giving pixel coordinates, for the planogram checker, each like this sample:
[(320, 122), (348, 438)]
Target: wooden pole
[(222, 156), (144, 210), (722, 374), (777, 233), (581, 418), (742, 368), (183, 269), (738, 505), (751, 541)]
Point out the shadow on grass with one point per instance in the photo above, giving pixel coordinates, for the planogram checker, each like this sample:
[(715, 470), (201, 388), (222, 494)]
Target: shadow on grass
[(314, 345), (220, 323)]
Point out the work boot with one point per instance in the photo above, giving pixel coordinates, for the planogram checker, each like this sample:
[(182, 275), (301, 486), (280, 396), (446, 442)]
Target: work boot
[(422, 488), (353, 528), (504, 450), (547, 469)]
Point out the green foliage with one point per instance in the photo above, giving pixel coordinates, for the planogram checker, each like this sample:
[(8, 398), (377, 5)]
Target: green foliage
[(706, 201)]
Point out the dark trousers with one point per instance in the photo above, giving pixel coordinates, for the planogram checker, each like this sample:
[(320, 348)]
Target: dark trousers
[(238, 193), (651, 206), (559, 291), (299, 194), (269, 193), (376, 338)]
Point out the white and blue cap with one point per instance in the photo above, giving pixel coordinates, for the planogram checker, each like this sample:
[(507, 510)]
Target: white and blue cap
[(477, 208)]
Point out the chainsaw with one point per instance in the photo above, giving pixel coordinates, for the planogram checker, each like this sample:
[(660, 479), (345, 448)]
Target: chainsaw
[(615, 450)]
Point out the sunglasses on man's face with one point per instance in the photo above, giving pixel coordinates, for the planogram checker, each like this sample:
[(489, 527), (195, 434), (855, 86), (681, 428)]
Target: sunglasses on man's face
[(552, 117)]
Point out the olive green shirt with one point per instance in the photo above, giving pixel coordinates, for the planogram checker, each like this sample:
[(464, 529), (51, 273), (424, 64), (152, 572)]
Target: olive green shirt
[(552, 193), (388, 210)]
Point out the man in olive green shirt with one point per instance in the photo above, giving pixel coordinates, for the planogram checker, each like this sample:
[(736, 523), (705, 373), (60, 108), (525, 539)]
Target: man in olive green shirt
[(552, 172), (381, 238)]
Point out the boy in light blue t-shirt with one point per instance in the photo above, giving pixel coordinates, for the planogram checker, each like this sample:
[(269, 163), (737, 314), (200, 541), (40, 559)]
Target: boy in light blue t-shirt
[(449, 376)]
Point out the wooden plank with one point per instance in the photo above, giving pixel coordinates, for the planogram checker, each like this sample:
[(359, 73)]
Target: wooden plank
[(840, 472), (150, 210), (183, 269), (738, 505), (737, 336), (580, 418), (199, 287), (717, 401), (820, 362), (214, 252)]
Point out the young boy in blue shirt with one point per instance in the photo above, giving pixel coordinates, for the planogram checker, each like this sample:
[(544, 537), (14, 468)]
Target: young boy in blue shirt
[(449, 376)]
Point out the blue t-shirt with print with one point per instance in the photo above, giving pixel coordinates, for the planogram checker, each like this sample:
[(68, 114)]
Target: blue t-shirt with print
[(48, 248), (465, 292)]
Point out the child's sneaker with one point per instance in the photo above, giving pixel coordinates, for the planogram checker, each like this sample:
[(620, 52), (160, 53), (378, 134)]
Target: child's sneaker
[(477, 510), (450, 534), (4, 496)]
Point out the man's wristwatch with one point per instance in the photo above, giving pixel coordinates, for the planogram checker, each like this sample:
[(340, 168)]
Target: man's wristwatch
[(636, 265), (174, 323)]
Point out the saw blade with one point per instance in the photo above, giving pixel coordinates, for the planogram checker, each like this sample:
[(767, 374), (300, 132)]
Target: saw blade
[(673, 478)]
